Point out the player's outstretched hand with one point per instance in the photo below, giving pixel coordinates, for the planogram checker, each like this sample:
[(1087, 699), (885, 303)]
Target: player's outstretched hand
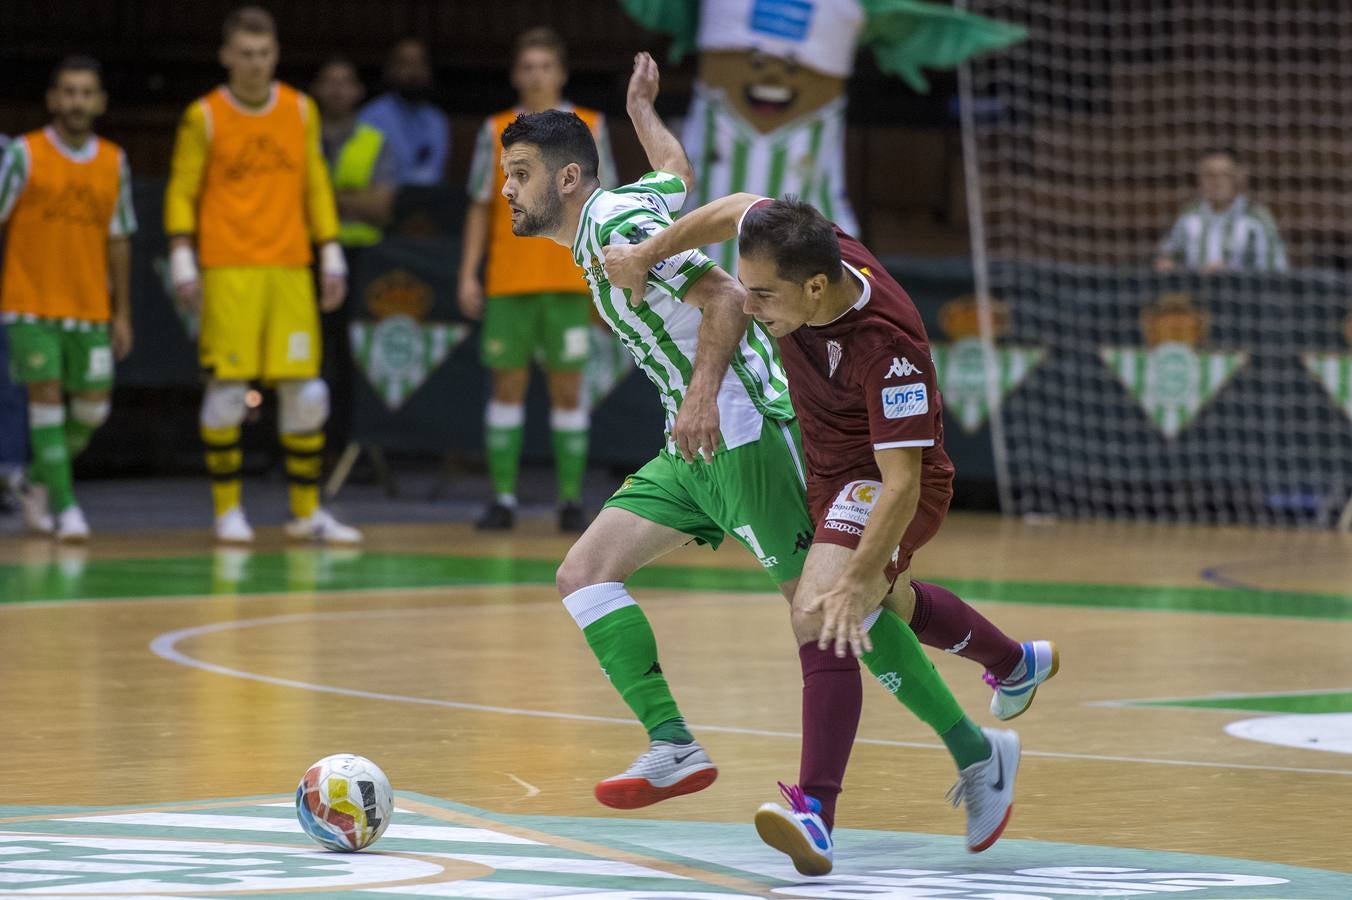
[(695, 431), (843, 608), (626, 267), (332, 292), (643, 84)]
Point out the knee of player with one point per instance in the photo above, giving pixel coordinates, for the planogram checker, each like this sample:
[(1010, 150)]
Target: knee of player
[(571, 575), (90, 413), (806, 625), (302, 406), (223, 404)]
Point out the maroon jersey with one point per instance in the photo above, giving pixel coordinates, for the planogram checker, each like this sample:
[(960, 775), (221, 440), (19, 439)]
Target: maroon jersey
[(865, 382)]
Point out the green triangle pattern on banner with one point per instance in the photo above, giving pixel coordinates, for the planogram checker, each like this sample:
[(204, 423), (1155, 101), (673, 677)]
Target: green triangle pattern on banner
[(962, 377), (1172, 381), (397, 353), (1334, 372)]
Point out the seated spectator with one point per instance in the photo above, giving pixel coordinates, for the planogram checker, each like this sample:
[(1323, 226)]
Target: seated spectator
[(418, 132), (360, 161), (1223, 231)]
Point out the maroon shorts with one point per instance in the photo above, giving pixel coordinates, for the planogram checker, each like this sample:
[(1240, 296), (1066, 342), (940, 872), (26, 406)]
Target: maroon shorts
[(841, 511)]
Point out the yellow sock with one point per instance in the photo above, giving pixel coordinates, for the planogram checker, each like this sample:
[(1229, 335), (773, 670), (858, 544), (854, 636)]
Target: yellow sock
[(224, 460), (304, 465)]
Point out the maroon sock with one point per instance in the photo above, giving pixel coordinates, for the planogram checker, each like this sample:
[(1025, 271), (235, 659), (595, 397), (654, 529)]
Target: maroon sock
[(944, 621), (832, 700)]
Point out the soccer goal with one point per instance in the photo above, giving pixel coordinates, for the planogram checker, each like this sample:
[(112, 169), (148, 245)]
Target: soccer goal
[(1160, 198)]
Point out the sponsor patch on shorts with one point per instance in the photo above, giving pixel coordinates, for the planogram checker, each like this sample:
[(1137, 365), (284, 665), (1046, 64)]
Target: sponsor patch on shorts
[(905, 400), (854, 503)]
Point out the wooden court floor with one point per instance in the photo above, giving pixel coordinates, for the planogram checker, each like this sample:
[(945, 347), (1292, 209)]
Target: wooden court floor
[(149, 668)]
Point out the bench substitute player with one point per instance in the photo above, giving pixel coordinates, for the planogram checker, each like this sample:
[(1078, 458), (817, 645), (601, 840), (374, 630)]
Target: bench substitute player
[(66, 294), (248, 192), (879, 486)]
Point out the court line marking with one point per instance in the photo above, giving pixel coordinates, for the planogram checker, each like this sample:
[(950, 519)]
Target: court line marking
[(164, 646), (1150, 702)]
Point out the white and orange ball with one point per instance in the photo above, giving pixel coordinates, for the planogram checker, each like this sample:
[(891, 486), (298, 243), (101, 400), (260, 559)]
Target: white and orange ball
[(344, 802)]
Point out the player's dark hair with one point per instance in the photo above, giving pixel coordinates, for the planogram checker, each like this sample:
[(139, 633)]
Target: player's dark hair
[(562, 137), (77, 62), (543, 38), (1221, 150), (801, 241), (250, 20)]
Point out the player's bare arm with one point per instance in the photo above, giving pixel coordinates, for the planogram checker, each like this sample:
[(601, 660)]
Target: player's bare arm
[(664, 152), (854, 596), (119, 279), (720, 296), (474, 247), (627, 265)]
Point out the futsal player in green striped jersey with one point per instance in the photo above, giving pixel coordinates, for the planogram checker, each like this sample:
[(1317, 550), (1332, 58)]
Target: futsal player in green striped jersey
[(732, 462)]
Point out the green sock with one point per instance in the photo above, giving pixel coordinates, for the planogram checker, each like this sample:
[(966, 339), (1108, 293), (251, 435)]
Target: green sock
[(569, 429), (77, 437), (966, 744), (624, 644), (51, 460), (504, 430), (901, 666)]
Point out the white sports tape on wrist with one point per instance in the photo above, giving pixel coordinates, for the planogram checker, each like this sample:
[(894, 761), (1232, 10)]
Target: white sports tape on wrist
[(331, 260), (183, 266)]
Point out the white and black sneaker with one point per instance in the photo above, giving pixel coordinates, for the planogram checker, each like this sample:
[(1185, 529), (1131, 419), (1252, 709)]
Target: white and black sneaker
[(986, 789), (666, 770)]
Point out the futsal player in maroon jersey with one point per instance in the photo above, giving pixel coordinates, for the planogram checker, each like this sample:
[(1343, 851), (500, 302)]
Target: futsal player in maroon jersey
[(878, 487)]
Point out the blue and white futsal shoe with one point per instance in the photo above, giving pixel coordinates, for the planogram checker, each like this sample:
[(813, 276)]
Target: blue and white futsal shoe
[(1013, 697), (797, 831)]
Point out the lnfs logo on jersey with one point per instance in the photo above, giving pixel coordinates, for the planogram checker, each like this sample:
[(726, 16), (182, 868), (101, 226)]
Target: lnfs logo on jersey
[(905, 400), (902, 368), (833, 354)]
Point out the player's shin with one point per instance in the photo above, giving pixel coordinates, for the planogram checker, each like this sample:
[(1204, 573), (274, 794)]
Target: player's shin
[(569, 431), (944, 621), (832, 701), (903, 669), (51, 459), (84, 419), (619, 634)]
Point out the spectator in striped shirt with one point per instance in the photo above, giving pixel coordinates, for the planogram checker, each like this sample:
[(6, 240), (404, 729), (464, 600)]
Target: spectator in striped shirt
[(1223, 231)]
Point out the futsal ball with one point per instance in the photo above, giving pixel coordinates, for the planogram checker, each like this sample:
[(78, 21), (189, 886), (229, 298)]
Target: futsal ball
[(344, 802)]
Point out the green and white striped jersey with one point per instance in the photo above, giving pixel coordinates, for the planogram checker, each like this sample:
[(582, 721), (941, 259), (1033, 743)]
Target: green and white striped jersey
[(1243, 238), (662, 332), (805, 157)]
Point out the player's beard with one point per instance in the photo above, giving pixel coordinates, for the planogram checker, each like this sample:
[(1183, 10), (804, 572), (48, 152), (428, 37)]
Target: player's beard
[(545, 219), (76, 124)]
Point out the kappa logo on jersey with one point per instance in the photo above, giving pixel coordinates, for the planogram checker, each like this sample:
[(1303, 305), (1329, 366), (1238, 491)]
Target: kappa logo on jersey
[(902, 368), (833, 354), (76, 205), (905, 400), (259, 156)]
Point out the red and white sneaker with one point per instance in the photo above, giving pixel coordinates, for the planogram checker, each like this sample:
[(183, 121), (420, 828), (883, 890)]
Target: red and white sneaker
[(986, 789), (666, 770)]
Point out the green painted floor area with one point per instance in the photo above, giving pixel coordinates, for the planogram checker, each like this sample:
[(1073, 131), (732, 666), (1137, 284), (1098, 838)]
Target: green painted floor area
[(1321, 702), (259, 849), (236, 572)]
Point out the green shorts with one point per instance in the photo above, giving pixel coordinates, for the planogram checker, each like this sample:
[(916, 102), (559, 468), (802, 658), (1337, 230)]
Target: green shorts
[(521, 328), (79, 357), (754, 492)]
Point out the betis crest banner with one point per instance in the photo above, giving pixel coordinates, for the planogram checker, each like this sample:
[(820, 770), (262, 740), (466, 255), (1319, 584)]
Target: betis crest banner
[(1172, 380), (962, 377), (1334, 372), (397, 353)]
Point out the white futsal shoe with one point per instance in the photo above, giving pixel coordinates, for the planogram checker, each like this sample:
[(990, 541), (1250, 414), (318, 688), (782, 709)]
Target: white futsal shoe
[(233, 528), (71, 527), (33, 498), (986, 789), (1041, 661), (321, 526), (799, 831), (666, 770)]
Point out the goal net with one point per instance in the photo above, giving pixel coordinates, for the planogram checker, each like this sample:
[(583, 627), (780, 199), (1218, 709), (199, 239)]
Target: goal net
[(1191, 355)]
